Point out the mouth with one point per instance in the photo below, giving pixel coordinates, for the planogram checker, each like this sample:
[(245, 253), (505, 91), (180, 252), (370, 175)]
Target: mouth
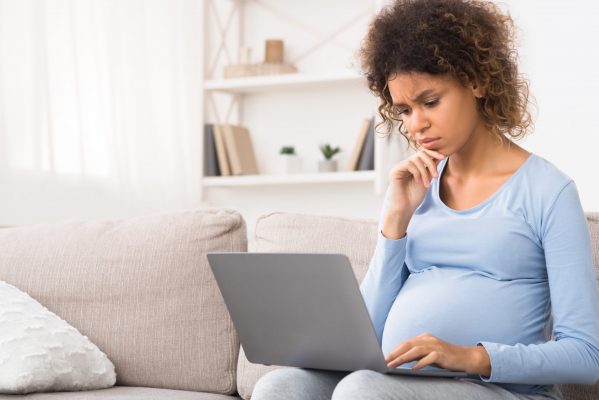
[(428, 143)]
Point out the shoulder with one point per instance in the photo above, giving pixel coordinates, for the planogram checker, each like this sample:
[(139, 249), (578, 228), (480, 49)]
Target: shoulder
[(545, 179), (545, 190)]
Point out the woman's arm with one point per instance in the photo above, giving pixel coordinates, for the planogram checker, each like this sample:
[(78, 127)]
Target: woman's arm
[(409, 183), (387, 270), (573, 357)]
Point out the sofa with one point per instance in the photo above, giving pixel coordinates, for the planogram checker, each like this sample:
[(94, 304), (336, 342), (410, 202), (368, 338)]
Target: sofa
[(141, 289)]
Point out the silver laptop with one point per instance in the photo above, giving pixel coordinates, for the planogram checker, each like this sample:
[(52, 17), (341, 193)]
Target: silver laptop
[(302, 310)]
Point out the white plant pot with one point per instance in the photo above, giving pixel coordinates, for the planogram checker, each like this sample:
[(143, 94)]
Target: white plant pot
[(291, 164), (327, 165)]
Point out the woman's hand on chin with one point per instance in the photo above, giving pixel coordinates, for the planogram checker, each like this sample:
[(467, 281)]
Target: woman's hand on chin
[(430, 350)]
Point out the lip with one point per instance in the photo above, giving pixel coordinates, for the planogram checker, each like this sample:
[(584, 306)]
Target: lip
[(429, 142)]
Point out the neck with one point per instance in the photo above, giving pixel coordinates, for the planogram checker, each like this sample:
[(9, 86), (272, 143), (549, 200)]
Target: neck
[(482, 155)]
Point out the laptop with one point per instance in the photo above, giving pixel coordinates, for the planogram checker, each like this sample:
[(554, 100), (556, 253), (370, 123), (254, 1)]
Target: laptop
[(303, 310)]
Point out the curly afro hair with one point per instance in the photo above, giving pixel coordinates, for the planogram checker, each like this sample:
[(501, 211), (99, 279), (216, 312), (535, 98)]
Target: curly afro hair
[(470, 40)]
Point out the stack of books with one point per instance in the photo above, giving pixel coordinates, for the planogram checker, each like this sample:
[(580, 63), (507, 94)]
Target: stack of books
[(362, 157), (228, 150)]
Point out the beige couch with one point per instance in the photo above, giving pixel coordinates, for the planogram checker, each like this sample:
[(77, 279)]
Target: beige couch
[(142, 290)]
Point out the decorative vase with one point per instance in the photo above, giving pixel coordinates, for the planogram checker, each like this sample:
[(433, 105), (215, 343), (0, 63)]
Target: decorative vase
[(327, 165), (291, 164)]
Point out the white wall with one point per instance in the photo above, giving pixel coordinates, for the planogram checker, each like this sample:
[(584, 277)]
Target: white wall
[(558, 52)]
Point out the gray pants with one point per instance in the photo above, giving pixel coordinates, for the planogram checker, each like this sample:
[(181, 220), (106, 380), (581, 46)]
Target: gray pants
[(311, 384)]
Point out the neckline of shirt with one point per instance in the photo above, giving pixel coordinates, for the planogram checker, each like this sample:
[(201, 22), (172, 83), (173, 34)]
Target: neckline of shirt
[(436, 188)]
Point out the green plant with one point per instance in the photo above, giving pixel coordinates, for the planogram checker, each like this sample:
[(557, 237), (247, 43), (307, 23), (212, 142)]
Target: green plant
[(290, 150), (328, 151)]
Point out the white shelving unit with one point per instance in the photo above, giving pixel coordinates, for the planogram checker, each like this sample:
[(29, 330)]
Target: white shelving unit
[(281, 82), (291, 179), (230, 28)]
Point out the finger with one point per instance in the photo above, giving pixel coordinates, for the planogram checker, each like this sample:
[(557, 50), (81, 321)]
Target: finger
[(419, 165), (427, 336), (415, 172), (420, 340), (399, 350), (414, 353), (417, 161), (434, 153), (430, 164), (432, 358)]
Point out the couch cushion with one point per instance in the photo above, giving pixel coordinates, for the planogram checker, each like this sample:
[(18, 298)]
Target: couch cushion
[(593, 220), (288, 232), (140, 288), (123, 393), (587, 392), (281, 232)]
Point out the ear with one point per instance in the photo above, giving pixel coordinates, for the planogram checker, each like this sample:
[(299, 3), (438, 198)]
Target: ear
[(477, 90)]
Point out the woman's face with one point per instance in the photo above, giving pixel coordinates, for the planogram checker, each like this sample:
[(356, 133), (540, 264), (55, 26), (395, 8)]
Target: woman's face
[(435, 107)]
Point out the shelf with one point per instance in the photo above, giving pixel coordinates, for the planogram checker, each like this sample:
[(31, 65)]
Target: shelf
[(290, 179), (279, 82)]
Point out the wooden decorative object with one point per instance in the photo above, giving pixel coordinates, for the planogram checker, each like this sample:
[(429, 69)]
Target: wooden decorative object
[(241, 70), (273, 51)]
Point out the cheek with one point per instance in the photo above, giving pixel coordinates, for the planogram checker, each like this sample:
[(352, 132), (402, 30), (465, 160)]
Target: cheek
[(458, 120), (454, 124)]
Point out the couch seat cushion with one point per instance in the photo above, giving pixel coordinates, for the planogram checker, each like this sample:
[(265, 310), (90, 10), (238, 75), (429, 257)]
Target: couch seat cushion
[(123, 393)]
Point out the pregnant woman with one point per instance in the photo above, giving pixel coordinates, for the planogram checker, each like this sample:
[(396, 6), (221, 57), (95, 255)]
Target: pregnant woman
[(483, 260)]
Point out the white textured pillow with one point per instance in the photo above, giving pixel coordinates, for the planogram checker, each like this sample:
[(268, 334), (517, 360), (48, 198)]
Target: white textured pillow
[(39, 351)]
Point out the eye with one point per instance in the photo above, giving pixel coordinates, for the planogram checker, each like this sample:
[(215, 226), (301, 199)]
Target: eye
[(429, 104), (402, 111)]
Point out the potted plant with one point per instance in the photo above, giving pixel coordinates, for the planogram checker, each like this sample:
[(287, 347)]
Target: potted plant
[(291, 162), (328, 164)]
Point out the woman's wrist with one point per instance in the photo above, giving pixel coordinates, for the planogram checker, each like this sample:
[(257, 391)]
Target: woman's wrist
[(479, 361), (395, 224)]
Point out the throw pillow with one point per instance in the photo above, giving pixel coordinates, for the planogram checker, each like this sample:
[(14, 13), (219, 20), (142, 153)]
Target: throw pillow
[(40, 352)]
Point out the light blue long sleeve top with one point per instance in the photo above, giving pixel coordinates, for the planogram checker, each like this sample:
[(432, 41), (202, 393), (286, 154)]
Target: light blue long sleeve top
[(507, 274)]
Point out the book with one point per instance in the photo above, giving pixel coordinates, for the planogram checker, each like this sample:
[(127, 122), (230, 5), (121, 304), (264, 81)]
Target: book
[(211, 167), (221, 150), (240, 150), (367, 156), (354, 159)]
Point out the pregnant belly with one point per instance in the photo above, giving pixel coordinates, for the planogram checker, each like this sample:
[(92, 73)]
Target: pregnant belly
[(463, 307)]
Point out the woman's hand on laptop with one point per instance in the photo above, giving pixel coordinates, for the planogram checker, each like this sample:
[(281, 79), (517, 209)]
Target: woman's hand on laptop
[(430, 350)]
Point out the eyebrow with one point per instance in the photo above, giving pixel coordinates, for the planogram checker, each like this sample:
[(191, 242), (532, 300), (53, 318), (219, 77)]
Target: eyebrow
[(418, 98)]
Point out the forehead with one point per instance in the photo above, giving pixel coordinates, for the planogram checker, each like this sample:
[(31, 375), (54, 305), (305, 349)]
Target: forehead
[(405, 87)]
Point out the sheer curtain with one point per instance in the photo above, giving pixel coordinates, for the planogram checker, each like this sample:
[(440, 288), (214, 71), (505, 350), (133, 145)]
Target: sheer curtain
[(100, 108)]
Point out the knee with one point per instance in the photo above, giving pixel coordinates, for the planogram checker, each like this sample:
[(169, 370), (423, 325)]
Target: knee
[(294, 384), (357, 385), (273, 385)]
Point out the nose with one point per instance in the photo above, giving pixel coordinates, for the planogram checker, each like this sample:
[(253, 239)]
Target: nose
[(418, 122)]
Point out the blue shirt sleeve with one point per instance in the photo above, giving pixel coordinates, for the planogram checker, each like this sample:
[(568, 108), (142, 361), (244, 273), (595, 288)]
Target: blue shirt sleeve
[(386, 274), (573, 357)]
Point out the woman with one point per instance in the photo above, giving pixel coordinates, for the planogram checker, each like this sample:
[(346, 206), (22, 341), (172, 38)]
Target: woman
[(483, 261)]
